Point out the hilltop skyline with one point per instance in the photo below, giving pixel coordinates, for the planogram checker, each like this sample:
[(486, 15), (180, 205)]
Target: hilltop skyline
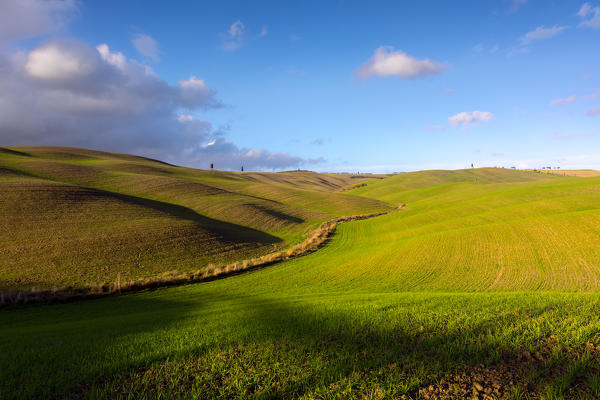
[(336, 86)]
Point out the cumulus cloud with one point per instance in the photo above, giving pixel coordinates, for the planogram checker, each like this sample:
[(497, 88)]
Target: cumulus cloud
[(590, 16), (22, 19), (88, 96), (62, 61), (541, 33), (226, 154), (146, 46), (117, 60), (193, 93), (566, 100), (468, 118), (593, 112), (387, 62), (234, 37), (66, 92)]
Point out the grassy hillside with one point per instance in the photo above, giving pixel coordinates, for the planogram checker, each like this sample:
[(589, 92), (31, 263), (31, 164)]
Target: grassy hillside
[(469, 291), (76, 216), (471, 230)]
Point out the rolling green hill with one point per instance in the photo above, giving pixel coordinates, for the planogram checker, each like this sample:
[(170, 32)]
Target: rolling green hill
[(487, 229), (483, 285), (76, 216)]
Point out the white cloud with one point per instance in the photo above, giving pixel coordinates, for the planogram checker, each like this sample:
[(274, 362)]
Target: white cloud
[(590, 16), (115, 59), (193, 93), (234, 38), (465, 118), (225, 154), (183, 118), (66, 92), (207, 145), (566, 100), (593, 112), (541, 33), (263, 32), (386, 62), (146, 46), (22, 19), (61, 60)]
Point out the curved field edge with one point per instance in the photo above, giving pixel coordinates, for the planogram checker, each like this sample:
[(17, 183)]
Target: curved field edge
[(77, 217), (312, 243)]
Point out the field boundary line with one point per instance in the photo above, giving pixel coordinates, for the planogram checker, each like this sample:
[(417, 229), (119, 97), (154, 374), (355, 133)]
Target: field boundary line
[(314, 240)]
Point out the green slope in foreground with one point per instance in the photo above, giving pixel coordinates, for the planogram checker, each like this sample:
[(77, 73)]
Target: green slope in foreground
[(484, 284), (82, 217)]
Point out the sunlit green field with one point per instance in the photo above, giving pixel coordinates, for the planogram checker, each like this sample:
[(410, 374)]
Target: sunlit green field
[(229, 340), (484, 232), (484, 284)]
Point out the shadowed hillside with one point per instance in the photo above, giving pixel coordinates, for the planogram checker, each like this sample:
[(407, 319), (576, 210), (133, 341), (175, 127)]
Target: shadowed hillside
[(76, 216)]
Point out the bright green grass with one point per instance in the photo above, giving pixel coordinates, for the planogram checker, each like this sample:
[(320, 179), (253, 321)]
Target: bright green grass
[(230, 340), (480, 267), (523, 235)]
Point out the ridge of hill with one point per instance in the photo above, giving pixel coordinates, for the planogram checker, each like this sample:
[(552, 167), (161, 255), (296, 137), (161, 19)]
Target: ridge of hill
[(76, 216)]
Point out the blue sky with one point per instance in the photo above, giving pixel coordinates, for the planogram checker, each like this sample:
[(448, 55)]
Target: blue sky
[(329, 86)]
